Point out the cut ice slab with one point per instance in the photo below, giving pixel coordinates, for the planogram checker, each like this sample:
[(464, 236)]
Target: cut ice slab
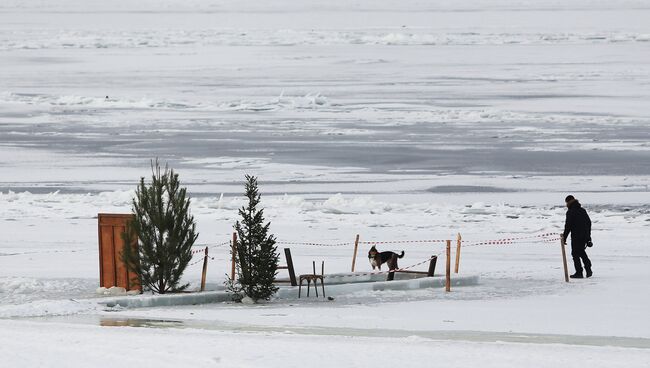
[(361, 286)]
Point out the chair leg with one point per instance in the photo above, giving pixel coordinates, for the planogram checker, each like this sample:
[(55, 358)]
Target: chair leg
[(322, 282), (316, 286), (308, 285), (299, 289)]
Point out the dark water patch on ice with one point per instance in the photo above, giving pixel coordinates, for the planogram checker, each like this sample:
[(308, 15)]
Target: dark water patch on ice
[(388, 149), (433, 335), (468, 189), (139, 322), (619, 209), (47, 190)]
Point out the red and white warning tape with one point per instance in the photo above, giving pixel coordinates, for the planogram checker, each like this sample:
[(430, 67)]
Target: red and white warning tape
[(314, 244), (416, 264), (537, 237), (203, 246), (404, 241), (195, 262)]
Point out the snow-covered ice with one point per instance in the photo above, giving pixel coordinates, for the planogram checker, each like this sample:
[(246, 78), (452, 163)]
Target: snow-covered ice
[(395, 120)]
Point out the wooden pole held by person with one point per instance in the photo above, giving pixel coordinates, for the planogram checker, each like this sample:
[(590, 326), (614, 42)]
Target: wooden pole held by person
[(356, 248), (566, 270), (234, 252), (448, 269), (458, 242), (205, 269)]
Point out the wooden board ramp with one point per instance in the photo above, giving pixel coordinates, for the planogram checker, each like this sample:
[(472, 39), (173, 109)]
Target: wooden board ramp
[(289, 267)]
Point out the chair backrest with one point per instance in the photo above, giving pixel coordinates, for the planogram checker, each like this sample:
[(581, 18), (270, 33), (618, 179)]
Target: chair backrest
[(322, 268)]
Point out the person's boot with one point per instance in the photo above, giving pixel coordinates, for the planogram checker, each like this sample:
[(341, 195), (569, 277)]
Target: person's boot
[(589, 273), (577, 275)]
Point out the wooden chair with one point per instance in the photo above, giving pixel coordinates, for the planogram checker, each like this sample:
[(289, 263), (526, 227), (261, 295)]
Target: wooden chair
[(313, 277)]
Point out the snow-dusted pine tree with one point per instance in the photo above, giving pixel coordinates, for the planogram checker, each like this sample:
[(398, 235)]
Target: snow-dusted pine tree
[(256, 254), (165, 232)]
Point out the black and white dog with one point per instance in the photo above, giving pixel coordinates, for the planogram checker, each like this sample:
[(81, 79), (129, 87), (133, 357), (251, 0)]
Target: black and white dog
[(378, 258)]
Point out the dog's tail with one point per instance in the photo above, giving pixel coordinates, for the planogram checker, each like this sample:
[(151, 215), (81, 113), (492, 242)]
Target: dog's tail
[(401, 255)]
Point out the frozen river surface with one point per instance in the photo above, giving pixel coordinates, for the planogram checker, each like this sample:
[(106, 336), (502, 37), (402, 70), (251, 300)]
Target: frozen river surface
[(494, 87)]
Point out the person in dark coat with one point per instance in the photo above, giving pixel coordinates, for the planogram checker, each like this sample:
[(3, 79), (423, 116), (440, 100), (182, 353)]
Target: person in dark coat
[(578, 224)]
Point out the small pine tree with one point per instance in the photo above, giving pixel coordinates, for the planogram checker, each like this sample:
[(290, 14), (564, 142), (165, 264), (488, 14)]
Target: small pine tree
[(256, 254), (165, 232)]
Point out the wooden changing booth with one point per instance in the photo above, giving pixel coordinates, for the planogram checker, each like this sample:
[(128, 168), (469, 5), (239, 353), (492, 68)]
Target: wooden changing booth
[(112, 271)]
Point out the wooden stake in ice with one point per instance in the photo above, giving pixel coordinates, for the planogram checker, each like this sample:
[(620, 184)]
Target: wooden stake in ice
[(356, 247), (458, 241), (566, 270), (205, 269), (448, 270), (234, 250)]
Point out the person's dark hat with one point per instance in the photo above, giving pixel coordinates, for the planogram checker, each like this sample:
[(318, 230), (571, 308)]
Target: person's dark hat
[(568, 199)]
